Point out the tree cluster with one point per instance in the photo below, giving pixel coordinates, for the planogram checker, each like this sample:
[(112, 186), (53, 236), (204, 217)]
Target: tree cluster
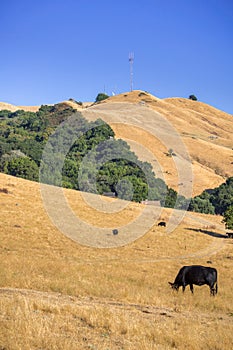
[(46, 146), (214, 201), (58, 146)]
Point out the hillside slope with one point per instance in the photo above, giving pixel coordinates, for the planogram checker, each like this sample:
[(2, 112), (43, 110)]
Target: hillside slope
[(199, 135), (59, 294), (206, 134)]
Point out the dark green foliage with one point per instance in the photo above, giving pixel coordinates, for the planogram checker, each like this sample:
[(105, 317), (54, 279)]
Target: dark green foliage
[(124, 189), (101, 96), (228, 217), (76, 154), (85, 156), (170, 199), (201, 205), (192, 97), (55, 114), (22, 167), (4, 147), (123, 176), (77, 102), (214, 201), (182, 202), (4, 114), (222, 196)]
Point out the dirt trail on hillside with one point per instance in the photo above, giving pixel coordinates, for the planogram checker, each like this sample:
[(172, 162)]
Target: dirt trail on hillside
[(61, 299), (144, 311)]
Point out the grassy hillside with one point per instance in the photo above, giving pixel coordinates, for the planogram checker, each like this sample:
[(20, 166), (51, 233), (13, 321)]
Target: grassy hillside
[(204, 130), (151, 126), (58, 294)]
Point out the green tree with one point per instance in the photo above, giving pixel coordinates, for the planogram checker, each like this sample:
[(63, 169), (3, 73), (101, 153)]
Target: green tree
[(70, 174), (101, 96), (22, 167), (4, 114), (222, 196), (200, 205), (124, 189), (4, 148), (83, 155), (170, 199), (192, 97), (228, 218)]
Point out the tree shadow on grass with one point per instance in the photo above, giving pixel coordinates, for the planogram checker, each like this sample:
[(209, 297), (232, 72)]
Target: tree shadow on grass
[(206, 232)]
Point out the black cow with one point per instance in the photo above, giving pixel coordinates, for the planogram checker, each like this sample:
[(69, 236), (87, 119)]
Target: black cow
[(230, 234), (162, 223), (196, 274)]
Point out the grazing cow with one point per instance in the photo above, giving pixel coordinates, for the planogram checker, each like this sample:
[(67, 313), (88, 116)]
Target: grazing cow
[(162, 223), (196, 274), (230, 234)]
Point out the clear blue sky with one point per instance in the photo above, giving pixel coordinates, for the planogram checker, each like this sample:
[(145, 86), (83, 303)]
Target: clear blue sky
[(54, 50)]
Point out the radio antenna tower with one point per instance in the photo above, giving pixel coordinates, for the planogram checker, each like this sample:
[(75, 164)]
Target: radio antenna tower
[(131, 59)]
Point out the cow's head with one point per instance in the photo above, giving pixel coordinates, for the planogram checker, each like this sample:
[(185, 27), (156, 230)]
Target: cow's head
[(174, 286)]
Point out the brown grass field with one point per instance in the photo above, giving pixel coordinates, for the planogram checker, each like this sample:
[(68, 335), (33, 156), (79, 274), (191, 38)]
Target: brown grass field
[(58, 294)]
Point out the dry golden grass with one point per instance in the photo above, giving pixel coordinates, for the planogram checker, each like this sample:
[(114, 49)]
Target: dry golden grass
[(61, 322), (13, 108), (205, 131), (57, 294)]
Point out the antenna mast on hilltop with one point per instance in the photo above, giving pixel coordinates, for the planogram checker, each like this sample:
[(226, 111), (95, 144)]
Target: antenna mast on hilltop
[(131, 59)]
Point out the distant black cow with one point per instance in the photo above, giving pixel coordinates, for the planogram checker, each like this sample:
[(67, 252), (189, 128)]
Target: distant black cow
[(196, 274), (162, 223), (230, 234)]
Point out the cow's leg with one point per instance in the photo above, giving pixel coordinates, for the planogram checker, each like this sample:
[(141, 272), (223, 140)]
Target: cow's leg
[(212, 290), (191, 288), (183, 287)]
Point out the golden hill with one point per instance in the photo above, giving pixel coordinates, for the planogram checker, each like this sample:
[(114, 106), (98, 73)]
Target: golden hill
[(13, 108), (199, 135), (58, 294), (206, 134)]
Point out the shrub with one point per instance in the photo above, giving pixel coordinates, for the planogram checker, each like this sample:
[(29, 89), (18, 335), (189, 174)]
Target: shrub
[(101, 96), (22, 167), (228, 218), (192, 97)]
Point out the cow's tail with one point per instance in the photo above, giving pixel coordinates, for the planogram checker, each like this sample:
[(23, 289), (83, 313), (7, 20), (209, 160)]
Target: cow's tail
[(216, 284), (216, 288)]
